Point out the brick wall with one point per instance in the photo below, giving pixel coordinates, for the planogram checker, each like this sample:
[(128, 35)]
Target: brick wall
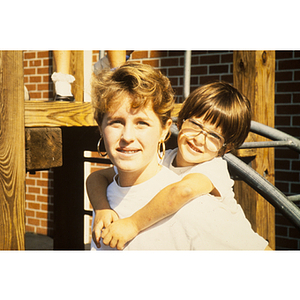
[(206, 66)]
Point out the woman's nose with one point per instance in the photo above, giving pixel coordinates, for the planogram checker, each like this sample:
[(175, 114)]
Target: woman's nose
[(128, 133)]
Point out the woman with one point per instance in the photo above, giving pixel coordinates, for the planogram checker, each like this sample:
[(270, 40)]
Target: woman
[(132, 107)]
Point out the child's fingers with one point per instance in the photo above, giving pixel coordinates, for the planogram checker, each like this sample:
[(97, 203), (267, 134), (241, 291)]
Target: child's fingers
[(106, 237), (120, 245), (113, 243)]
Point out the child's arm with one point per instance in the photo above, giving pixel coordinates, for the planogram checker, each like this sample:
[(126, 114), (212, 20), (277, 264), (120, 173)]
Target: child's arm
[(96, 185), (168, 201)]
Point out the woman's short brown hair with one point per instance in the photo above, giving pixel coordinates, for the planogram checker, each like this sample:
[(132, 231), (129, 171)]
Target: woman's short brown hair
[(224, 106), (143, 84)]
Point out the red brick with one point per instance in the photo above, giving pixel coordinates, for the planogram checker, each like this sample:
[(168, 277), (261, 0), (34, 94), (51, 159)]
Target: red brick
[(176, 53), (31, 87), (42, 182), (175, 71), (160, 53), (152, 62), (29, 213), (33, 205), (227, 78), (32, 221), (42, 198), (289, 64), (295, 188), (44, 223), (41, 215), (29, 71), (288, 87), (218, 69), (283, 76), (283, 54), (210, 59), (30, 181), (139, 54), (169, 62), (34, 190), (41, 231), (283, 98), (208, 79), (43, 54), (30, 197), (286, 243), (42, 87), (199, 70), (227, 58), (288, 109), (47, 62), (29, 228), (35, 79), (35, 95), (29, 55), (35, 63), (283, 120)]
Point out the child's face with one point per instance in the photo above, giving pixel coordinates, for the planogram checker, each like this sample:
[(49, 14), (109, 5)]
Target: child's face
[(194, 146)]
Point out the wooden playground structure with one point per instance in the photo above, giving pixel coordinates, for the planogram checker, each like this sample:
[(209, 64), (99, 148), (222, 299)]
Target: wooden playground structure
[(38, 135)]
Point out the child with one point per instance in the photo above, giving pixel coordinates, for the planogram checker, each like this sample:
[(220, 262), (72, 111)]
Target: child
[(213, 120)]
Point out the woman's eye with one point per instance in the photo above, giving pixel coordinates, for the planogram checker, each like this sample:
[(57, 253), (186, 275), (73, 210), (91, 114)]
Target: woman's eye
[(142, 123), (114, 122)]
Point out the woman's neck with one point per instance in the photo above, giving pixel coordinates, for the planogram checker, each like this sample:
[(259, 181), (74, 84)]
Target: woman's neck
[(126, 179)]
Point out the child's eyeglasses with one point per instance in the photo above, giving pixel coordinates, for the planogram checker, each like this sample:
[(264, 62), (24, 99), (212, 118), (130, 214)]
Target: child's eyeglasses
[(192, 128)]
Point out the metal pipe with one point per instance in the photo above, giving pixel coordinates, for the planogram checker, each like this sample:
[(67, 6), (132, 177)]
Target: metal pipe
[(187, 73), (264, 188), (275, 135)]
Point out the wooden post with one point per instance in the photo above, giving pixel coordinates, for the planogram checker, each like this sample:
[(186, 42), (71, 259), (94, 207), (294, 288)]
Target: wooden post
[(254, 76), (12, 151), (76, 69)]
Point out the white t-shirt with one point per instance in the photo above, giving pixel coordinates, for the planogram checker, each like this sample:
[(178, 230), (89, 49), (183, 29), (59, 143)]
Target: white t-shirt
[(203, 224), (216, 170)]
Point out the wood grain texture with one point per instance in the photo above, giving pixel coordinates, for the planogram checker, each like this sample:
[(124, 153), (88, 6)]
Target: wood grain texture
[(12, 155), (43, 148), (56, 114), (254, 76)]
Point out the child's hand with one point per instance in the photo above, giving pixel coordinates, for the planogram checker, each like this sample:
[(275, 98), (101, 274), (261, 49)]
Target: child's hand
[(118, 233), (103, 218)]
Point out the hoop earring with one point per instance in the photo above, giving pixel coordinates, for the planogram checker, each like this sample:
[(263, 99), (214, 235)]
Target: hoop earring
[(103, 154), (161, 156)]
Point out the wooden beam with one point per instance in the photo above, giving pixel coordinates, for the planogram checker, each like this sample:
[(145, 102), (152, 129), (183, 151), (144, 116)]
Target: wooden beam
[(43, 148), (56, 114), (254, 76), (77, 70), (12, 145)]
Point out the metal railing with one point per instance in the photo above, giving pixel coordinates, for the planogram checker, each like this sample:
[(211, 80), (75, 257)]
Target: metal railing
[(285, 204)]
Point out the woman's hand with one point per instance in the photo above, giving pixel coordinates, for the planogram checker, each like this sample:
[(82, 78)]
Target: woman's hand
[(118, 233), (103, 218)]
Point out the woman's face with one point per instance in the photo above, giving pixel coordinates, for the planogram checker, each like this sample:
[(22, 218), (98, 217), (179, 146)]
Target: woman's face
[(131, 138)]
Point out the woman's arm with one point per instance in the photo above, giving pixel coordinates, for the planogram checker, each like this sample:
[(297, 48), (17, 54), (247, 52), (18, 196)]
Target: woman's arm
[(167, 202)]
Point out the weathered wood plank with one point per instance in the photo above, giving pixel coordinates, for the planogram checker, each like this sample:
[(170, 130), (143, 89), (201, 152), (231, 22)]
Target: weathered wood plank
[(43, 148), (76, 69), (12, 155), (56, 114), (254, 76)]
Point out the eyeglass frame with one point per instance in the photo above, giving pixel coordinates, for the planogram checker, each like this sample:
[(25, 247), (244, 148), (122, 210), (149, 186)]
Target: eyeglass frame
[(205, 132)]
